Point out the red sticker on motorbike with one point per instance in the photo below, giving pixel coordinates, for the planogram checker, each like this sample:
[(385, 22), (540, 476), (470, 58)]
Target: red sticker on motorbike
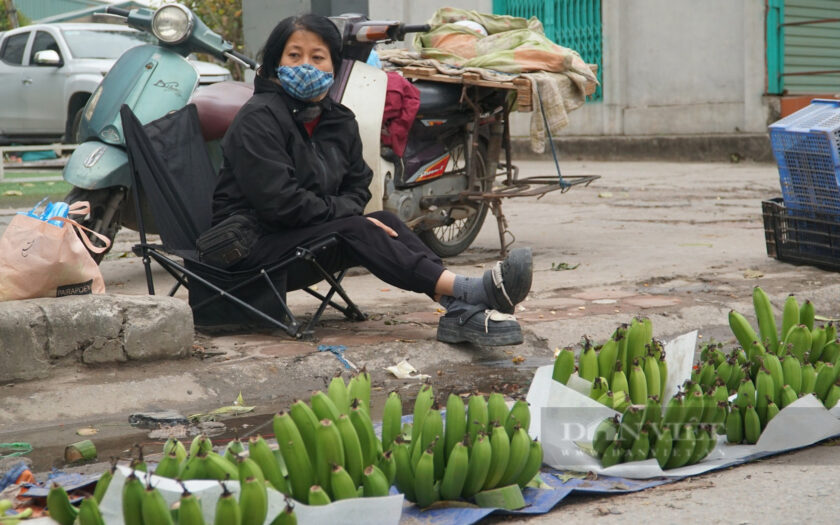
[(434, 170)]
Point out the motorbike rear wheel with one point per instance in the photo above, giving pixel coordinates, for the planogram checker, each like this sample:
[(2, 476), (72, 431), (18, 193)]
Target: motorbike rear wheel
[(104, 217), (466, 218)]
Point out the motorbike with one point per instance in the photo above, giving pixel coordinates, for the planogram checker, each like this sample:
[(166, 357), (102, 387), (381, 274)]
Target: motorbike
[(153, 79)]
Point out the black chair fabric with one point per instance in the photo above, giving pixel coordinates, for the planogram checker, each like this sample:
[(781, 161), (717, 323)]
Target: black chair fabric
[(171, 168)]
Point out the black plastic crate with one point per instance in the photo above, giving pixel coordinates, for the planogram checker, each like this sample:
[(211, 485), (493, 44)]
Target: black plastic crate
[(801, 237)]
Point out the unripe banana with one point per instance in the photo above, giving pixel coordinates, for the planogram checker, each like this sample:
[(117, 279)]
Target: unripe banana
[(825, 378), (455, 473), (831, 351), (746, 395), (809, 379), (766, 319), (404, 478), (788, 396), (342, 484), (323, 406), (806, 314), (287, 516), (663, 447), (89, 513), (832, 397), (752, 425), (359, 388), (168, 466), (798, 341), (741, 329), (637, 384), (564, 366), (599, 387), (631, 424), (606, 359), (388, 466), (653, 412), (307, 422), (354, 456), (764, 393), (790, 315), (702, 440), (694, 406), (497, 410), (262, 455), (724, 370), (620, 401), (217, 467), (364, 429), (532, 466), (734, 426), (520, 446), (588, 365), (154, 508), (253, 502), (480, 457), (375, 482), (683, 448), (651, 373), (500, 445), (792, 373), (477, 417), (641, 447), (329, 451), (227, 509), (636, 340), (293, 449), (422, 403), (59, 506), (605, 433), (818, 340), (201, 444), (132, 501), (613, 455), (391, 419), (520, 415), (233, 449), (425, 489), (675, 412), (456, 423), (337, 392), (774, 366), (104, 481), (772, 410), (619, 380), (663, 374), (317, 496), (433, 437), (189, 510), (620, 335), (707, 374), (736, 377)]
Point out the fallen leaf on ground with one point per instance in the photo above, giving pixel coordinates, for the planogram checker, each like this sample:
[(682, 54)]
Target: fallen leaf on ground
[(12, 193), (87, 431), (753, 274), (518, 360), (604, 195), (556, 267)]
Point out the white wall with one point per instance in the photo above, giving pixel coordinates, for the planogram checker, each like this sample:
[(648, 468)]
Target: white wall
[(419, 12), (677, 67)]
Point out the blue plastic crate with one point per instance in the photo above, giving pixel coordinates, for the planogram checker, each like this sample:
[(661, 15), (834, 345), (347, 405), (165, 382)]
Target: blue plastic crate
[(806, 145)]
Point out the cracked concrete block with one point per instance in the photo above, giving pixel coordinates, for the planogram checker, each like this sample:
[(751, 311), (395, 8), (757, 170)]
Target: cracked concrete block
[(73, 320), (104, 350), (157, 327), (23, 342)]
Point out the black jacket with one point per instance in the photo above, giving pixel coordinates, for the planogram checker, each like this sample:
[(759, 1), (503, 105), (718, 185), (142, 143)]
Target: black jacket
[(273, 169)]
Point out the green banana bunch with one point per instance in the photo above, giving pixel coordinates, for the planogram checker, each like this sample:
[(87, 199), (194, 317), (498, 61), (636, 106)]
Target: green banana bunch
[(102, 483), (683, 448), (342, 485), (766, 320), (798, 341), (651, 374), (132, 501), (189, 509), (752, 425), (792, 373), (520, 447), (329, 452), (497, 410), (734, 425), (323, 406), (201, 444), (532, 466), (663, 447), (425, 489), (500, 445), (480, 457), (217, 467), (375, 482), (455, 474), (520, 415), (232, 450), (359, 388), (253, 502), (825, 378), (637, 384), (422, 403), (364, 429), (287, 515), (607, 357), (306, 422), (588, 365), (262, 455), (227, 509), (433, 436), (293, 449), (404, 476), (353, 455), (640, 449)]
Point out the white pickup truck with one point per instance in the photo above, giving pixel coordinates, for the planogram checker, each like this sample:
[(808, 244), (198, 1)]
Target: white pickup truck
[(48, 71)]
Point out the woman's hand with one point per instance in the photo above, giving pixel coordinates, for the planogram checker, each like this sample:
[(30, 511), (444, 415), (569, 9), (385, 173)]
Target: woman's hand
[(387, 229)]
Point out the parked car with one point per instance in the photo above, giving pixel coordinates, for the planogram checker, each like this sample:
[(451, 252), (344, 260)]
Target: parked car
[(48, 72)]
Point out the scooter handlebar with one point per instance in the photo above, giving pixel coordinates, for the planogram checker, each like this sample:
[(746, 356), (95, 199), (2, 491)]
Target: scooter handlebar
[(243, 59), (417, 28), (111, 10)]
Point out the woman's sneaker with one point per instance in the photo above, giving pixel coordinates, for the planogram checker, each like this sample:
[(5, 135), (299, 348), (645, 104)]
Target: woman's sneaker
[(509, 282), (479, 326)]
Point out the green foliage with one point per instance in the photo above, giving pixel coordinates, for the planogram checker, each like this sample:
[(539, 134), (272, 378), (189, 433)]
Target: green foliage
[(5, 22), (223, 17)]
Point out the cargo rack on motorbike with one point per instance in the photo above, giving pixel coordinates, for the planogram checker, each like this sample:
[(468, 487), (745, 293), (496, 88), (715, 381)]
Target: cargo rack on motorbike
[(511, 185)]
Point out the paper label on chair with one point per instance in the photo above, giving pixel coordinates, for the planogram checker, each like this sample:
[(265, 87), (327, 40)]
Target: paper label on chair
[(84, 288)]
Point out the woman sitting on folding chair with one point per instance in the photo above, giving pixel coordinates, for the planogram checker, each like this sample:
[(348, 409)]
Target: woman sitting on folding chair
[(293, 160)]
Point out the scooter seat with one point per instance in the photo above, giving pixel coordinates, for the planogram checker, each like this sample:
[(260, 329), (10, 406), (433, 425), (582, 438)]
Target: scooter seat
[(437, 97), (217, 105)]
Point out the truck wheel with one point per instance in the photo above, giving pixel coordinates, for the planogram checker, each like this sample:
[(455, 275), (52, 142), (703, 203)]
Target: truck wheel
[(104, 217), (73, 137)]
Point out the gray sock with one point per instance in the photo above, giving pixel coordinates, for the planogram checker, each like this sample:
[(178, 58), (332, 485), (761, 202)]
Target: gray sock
[(470, 290), (452, 304)]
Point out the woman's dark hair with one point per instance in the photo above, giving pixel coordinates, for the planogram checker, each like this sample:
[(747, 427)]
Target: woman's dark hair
[(320, 25)]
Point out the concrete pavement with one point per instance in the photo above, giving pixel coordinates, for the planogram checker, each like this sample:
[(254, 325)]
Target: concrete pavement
[(680, 242)]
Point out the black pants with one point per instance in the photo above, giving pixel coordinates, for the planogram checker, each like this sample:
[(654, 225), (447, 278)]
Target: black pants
[(402, 261)]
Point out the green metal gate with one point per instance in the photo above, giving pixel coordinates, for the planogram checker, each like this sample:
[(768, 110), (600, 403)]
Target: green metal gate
[(803, 46), (575, 24)]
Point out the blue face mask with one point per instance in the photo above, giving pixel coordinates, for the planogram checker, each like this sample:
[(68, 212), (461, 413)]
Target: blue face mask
[(305, 82)]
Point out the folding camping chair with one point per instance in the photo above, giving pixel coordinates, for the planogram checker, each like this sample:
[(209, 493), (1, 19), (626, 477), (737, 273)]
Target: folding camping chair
[(171, 168)]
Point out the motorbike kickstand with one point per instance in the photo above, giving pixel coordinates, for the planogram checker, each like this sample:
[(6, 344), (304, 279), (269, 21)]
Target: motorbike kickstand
[(501, 222)]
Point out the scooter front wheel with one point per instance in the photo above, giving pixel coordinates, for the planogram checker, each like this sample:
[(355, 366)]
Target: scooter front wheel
[(104, 216), (464, 219)]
